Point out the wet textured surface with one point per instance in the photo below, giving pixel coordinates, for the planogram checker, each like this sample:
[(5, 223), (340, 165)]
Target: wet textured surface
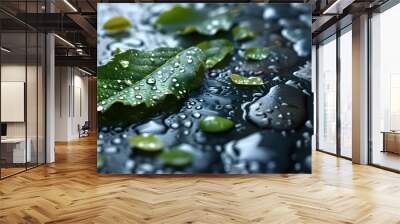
[(273, 123)]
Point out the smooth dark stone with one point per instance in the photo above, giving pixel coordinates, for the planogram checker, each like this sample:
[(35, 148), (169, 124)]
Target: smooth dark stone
[(304, 72), (303, 47), (295, 35), (262, 148), (283, 108)]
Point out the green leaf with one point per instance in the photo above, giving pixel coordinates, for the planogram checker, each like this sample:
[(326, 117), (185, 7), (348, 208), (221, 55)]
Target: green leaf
[(100, 161), (117, 24), (176, 157), (126, 68), (246, 81), (146, 142), (216, 124), (215, 50), (187, 20), (242, 33), (175, 76), (257, 53)]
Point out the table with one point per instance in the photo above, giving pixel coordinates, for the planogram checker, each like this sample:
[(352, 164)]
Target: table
[(19, 155), (391, 141)]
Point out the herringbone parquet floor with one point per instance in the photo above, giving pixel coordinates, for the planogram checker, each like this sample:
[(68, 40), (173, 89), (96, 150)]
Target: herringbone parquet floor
[(70, 191)]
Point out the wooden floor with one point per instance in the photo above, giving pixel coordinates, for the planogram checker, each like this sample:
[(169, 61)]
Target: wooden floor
[(70, 191)]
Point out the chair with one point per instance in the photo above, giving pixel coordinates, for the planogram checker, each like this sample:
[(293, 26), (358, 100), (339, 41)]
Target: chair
[(84, 130)]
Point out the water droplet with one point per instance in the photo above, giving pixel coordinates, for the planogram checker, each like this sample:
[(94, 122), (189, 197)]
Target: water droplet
[(198, 107), (187, 124), (280, 116), (111, 150), (190, 60), (138, 97), (174, 80), (130, 164), (309, 124), (117, 141), (124, 63), (176, 64), (174, 125), (151, 81), (213, 74), (298, 144), (100, 108), (182, 116), (196, 115)]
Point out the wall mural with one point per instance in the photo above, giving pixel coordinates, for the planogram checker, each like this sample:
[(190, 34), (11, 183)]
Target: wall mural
[(204, 88)]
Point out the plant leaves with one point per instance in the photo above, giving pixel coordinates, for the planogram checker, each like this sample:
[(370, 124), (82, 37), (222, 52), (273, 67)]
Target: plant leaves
[(187, 20), (257, 53), (246, 81), (146, 142), (117, 24), (215, 50), (176, 157), (242, 33), (216, 124), (176, 76), (126, 68), (100, 161)]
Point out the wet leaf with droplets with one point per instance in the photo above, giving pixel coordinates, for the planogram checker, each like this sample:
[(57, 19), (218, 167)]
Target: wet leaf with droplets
[(176, 76), (100, 160), (126, 68), (146, 142), (216, 124), (257, 53), (186, 20), (215, 50), (176, 157), (246, 81), (117, 24), (242, 33)]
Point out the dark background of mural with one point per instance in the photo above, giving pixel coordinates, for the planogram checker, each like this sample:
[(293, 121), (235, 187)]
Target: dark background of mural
[(247, 148)]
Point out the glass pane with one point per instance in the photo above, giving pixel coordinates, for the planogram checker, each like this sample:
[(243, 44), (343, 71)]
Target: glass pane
[(327, 96), (31, 97), (13, 86), (41, 98), (346, 94), (385, 84)]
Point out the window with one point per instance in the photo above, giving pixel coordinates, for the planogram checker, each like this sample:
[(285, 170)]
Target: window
[(346, 92), (327, 96), (385, 89)]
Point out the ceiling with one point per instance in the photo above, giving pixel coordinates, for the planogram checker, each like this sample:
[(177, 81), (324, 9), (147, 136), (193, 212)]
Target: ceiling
[(75, 22)]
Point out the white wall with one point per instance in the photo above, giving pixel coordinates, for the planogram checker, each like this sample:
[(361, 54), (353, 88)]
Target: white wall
[(71, 102)]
